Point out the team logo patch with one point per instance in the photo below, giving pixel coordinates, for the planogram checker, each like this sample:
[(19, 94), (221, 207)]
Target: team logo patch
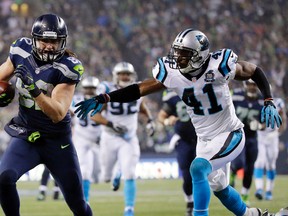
[(209, 76)]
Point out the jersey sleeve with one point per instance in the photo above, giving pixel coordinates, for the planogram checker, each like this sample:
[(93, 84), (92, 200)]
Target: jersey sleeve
[(71, 69), (20, 49), (159, 70), (227, 62)]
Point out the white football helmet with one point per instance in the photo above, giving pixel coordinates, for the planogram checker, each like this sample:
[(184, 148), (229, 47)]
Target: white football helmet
[(89, 85), (189, 51), (124, 68), (90, 81)]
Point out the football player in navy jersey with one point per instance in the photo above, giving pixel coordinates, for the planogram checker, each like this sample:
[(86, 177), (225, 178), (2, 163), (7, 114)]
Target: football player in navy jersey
[(173, 113), (248, 104), (201, 79), (47, 74)]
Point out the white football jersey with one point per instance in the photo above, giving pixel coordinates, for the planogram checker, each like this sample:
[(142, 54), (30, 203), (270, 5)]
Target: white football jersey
[(87, 129), (122, 113), (206, 95)]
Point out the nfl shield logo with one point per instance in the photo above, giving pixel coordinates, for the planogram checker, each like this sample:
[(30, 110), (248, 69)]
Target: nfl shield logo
[(194, 79), (209, 76)]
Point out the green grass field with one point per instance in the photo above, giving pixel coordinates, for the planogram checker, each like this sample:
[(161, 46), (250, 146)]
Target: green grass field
[(155, 198)]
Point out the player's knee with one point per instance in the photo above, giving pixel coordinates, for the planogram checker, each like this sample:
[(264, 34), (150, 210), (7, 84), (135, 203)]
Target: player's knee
[(8, 177), (200, 169)]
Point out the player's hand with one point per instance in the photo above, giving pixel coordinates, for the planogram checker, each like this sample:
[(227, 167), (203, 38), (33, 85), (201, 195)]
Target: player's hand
[(25, 75), (118, 128), (94, 103), (270, 115), (150, 127)]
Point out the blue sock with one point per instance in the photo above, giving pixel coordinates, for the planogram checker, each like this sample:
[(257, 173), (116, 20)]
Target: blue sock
[(86, 189), (258, 172), (200, 169), (130, 192), (231, 200), (271, 174)]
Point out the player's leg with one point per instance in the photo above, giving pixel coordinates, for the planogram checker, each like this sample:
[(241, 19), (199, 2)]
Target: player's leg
[(186, 152), (18, 158), (43, 184), (219, 151), (272, 155), (128, 157), (56, 191), (117, 177), (108, 155), (85, 158), (237, 164), (251, 152), (259, 168), (65, 168)]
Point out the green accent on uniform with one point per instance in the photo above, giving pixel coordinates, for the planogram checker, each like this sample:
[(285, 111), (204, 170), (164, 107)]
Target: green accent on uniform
[(79, 68), (14, 42), (34, 136), (3, 95)]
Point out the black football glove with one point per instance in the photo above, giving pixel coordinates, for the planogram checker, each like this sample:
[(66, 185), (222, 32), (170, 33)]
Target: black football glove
[(27, 79)]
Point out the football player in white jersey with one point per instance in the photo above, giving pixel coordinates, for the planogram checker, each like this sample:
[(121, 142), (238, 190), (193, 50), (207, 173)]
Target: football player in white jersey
[(200, 78), (86, 137), (119, 142), (268, 149)]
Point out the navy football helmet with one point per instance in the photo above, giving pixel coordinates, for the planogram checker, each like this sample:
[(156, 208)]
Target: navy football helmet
[(189, 51), (52, 29)]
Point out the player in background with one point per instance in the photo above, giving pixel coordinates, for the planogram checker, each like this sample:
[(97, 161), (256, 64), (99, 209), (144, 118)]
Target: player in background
[(248, 105), (47, 74), (119, 142), (43, 186), (268, 149), (201, 79), (173, 113), (86, 138)]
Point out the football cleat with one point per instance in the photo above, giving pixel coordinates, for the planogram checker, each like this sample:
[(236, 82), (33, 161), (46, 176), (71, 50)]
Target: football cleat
[(116, 182), (268, 195), (189, 209), (41, 196), (129, 212), (259, 194), (245, 199)]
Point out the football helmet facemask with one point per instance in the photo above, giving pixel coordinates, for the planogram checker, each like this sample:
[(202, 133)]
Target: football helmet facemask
[(189, 51), (52, 29), (124, 68)]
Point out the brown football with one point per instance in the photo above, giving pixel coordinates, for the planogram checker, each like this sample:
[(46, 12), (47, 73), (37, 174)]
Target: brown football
[(7, 93)]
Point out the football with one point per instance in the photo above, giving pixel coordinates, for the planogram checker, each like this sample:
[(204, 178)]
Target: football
[(7, 93)]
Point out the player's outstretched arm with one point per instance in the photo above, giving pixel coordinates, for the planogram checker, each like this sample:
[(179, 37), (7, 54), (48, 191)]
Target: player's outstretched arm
[(130, 93), (269, 114)]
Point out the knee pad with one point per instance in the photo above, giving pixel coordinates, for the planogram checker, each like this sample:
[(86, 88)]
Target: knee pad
[(200, 169), (8, 177)]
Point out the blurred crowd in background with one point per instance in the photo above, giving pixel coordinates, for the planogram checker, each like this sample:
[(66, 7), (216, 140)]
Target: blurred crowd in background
[(104, 32)]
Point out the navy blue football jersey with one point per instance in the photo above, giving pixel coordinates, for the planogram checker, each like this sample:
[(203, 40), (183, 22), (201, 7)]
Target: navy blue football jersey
[(173, 105), (66, 69), (247, 110)]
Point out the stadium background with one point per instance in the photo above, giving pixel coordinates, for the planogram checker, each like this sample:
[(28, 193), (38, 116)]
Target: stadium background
[(105, 32)]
